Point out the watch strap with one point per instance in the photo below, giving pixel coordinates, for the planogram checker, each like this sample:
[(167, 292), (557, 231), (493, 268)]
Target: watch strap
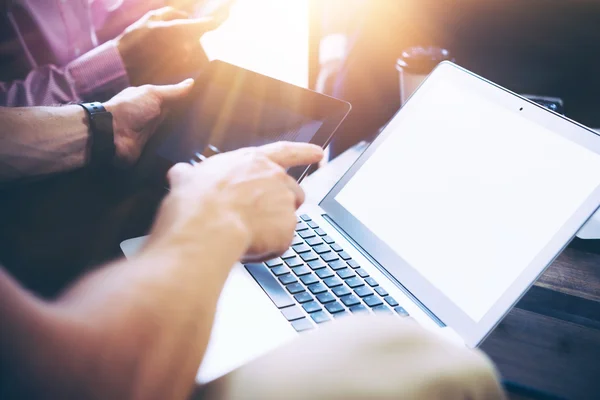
[(102, 149)]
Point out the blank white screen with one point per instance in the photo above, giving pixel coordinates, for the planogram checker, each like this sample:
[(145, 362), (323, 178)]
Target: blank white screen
[(468, 193)]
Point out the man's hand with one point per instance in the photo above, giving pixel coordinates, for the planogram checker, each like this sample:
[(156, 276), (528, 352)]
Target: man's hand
[(247, 189), (165, 45), (137, 111)]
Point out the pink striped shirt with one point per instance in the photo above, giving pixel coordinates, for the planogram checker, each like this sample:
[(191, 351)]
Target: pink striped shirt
[(59, 51)]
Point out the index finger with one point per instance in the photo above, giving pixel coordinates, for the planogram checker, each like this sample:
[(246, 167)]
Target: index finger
[(289, 154)]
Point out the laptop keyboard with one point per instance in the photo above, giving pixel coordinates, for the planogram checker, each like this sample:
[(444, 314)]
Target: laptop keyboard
[(316, 281)]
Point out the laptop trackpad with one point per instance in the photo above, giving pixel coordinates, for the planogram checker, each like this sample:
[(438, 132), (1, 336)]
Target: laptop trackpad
[(247, 325)]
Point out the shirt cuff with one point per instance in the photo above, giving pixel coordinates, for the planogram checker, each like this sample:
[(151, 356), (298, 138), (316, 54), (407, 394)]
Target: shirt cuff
[(99, 74), (333, 47)]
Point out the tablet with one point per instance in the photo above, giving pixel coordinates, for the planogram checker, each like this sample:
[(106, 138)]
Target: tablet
[(232, 108)]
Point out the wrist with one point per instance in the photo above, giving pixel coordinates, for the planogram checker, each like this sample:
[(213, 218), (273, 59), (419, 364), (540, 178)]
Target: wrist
[(218, 233), (102, 136)]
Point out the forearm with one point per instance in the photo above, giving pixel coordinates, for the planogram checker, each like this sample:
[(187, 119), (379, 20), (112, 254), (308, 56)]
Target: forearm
[(94, 76), (135, 329), (42, 140)]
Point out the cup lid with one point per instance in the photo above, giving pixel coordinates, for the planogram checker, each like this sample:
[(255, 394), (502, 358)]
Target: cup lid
[(422, 59)]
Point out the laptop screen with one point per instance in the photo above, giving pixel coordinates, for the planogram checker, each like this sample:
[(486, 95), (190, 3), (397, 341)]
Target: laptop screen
[(464, 193)]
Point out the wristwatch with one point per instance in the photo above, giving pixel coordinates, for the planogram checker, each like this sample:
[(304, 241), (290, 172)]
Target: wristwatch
[(102, 149)]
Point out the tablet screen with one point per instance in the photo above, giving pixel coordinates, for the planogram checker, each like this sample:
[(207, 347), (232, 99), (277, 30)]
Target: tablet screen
[(230, 120), (232, 108)]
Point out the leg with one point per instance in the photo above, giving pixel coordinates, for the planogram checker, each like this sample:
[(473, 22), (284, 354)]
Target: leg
[(383, 358)]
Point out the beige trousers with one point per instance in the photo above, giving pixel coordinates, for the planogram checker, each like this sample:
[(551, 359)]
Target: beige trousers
[(363, 358)]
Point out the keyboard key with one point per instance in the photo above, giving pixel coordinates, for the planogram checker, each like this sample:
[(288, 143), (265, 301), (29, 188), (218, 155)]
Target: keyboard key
[(322, 248), (381, 291), (311, 307), (350, 301), (333, 282), (309, 256), (313, 224), (354, 282), (303, 270), (324, 273), (382, 309), (305, 217), (372, 282), (301, 226), (401, 311), (320, 232), (297, 240), (306, 234), (345, 273), (274, 262), (281, 270), (289, 254), (292, 313), (317, 264), (287, 279), (314, 241), (303, 297), (331, 256), (270, 285), (328, 240), (320, 317), (325, 298), (294, 288), (341, 291), (301, 325), (337, 264), (353, 263), (344, 256), (334, 307), (363, 291), (359, 308), (391, 301), (336, 247), (317, 288), (301, 248), (362, 273), (309, 279), (294, 261), (372, 301)]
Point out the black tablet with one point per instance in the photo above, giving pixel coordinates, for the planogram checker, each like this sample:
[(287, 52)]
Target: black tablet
[(232, 108)]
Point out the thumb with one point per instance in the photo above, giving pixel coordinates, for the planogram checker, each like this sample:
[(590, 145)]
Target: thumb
[(168, 14), (170, 93), (178, 174), (184, 29)]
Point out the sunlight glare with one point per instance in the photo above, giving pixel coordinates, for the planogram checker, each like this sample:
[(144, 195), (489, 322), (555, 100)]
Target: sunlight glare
[(266, 36)]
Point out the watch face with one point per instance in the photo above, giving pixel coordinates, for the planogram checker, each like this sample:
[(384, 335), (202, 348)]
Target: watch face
[(103, 129)]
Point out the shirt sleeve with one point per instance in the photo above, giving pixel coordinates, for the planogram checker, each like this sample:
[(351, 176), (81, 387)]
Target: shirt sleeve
[(95, 76)]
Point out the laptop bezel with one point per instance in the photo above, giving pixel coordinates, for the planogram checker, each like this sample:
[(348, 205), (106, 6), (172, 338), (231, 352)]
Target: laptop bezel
[(472, 332)]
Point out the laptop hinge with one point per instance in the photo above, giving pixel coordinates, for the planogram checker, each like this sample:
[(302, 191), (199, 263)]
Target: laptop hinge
[(384, 271)]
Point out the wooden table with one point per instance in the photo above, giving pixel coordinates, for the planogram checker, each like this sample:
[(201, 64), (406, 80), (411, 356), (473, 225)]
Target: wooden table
[(60, 228)]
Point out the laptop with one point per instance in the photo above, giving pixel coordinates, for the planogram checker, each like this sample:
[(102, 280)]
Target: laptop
[(449, 216)]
